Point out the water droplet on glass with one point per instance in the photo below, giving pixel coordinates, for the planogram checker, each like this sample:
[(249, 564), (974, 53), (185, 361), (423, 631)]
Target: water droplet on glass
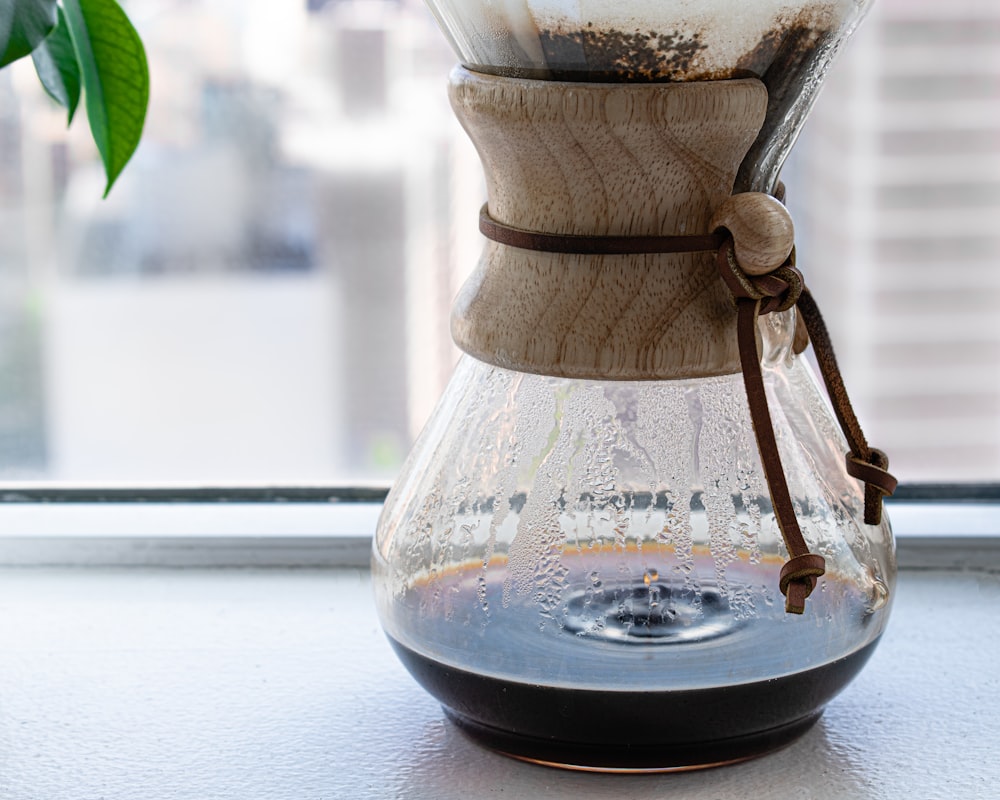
[(878, 597)]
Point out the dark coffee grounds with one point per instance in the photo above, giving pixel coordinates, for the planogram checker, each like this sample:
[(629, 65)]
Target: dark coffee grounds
[(597, 55), (614, 55)]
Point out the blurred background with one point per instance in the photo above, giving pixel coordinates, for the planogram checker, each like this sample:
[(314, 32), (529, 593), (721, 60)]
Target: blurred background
[(264, 296)]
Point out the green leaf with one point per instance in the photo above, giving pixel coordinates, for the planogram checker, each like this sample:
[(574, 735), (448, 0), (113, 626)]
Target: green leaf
[(115, 79), (23, 25), (57, 67)]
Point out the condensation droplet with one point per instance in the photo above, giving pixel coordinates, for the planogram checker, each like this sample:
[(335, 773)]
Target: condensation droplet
[(879, 596)]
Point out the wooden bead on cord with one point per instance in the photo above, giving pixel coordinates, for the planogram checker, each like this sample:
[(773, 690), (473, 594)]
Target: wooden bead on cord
[(762, 229)]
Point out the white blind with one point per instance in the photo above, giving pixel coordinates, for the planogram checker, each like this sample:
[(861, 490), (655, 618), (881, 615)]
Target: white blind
[(895, 187)]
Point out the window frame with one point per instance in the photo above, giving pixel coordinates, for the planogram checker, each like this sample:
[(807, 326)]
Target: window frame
[(937, 526)]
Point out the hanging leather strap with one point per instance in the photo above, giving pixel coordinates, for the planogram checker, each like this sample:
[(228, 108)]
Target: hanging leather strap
[(868, 464), (777, 291), (780, 290), (760, 291)]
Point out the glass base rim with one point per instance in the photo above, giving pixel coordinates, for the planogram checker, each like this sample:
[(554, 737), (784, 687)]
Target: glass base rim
[(631, 758)]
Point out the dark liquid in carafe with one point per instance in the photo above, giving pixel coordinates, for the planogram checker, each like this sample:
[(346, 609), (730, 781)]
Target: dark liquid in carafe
[(633, 730)]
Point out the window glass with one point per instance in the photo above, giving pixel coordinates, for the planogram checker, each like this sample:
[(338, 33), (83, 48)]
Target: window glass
[(895, 189), (264, 296)]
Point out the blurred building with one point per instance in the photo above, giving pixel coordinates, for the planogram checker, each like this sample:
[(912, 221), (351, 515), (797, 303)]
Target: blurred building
[(895, 187), (264, 296)]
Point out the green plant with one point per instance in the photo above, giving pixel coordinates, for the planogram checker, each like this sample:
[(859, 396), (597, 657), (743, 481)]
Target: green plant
[(86, 47)]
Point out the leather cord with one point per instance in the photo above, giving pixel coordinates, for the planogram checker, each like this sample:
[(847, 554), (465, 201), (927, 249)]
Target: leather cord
[(756, 296), (778, 290), (593, 245), (868, 464)]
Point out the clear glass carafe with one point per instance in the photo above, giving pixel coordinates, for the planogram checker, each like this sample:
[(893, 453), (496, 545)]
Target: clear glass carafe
[(580, 558), (584, 572)]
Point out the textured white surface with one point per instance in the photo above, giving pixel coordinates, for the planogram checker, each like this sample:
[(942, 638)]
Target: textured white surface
[(212, 684)]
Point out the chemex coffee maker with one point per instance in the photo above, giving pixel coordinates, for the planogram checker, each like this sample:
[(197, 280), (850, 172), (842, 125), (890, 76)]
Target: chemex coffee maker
[(636, 534)]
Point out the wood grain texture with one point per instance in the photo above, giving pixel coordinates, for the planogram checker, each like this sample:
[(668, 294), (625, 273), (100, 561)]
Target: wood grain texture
[(603, 159)]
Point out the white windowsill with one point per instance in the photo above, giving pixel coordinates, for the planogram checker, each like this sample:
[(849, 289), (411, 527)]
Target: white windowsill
[(249, 684), (237, 681)]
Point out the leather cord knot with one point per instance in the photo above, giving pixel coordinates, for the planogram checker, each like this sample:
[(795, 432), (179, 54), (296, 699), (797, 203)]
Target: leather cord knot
[(873, 471), (798, 579), (777, 290)]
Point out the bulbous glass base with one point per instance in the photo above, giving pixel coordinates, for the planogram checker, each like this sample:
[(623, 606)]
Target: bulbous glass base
[(585, 573)]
